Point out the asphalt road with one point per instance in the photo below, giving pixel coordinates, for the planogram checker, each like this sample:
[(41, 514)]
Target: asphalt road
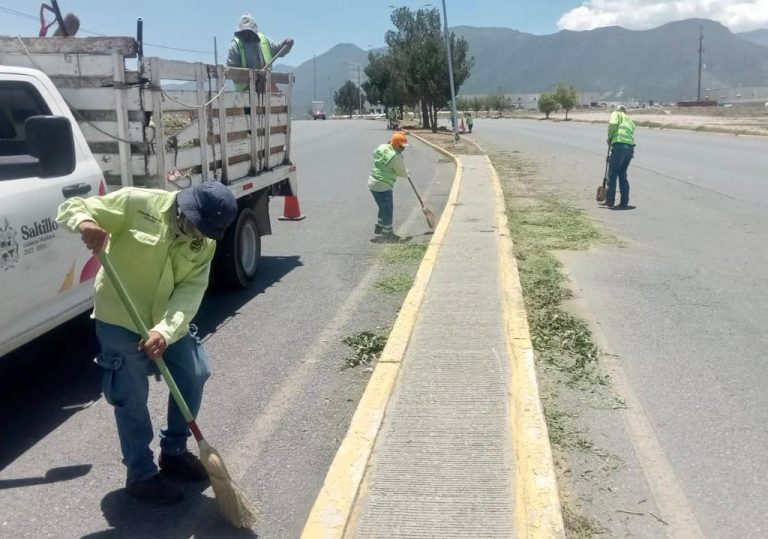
[(682, 306), (278, 403)]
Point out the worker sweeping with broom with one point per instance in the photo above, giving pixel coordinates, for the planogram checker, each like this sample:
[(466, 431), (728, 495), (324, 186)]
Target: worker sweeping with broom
[(161, 245), (388, 165)]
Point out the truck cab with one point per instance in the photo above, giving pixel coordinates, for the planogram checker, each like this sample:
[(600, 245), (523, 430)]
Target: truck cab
[(46, 273), (318, 110)]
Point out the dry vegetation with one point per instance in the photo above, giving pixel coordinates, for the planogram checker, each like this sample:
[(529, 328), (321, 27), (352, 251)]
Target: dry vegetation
[(742, 120)]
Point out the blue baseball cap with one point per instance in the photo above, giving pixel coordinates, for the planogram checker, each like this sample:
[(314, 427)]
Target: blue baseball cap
[(210, 206)]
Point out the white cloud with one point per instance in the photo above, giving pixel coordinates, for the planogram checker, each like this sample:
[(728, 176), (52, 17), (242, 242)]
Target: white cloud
[(738, 15)]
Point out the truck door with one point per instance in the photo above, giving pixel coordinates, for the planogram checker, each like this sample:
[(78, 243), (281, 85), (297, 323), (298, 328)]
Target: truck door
[(46, 273)]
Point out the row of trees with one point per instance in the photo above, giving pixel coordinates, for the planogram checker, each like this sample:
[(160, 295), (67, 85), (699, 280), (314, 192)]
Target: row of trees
[(497, 102), (565, 97), (562, 97), (414, 71)]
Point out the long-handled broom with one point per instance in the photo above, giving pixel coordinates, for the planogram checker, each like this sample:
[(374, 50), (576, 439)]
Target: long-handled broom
[(232, 500), (428, 214)]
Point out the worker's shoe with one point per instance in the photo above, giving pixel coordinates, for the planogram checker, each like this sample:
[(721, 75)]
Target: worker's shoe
[(157, 490), (377, 229), (390, 237), (185, 466)]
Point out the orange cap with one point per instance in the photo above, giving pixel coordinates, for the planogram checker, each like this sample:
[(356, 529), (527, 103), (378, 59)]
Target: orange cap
[(399, 140)]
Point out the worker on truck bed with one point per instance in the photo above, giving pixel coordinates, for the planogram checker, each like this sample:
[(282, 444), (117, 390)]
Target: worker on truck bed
[(161, 244), (252, 49)]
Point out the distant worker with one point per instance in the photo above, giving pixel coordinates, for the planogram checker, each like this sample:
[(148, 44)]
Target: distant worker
[(621, 139), (470, 121), (392, 115), (252, 49), (388, 165)]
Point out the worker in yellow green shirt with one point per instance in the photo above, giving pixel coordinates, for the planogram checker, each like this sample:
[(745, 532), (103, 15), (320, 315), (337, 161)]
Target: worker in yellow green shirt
[(621, 139), (388, 165), (161, 244)]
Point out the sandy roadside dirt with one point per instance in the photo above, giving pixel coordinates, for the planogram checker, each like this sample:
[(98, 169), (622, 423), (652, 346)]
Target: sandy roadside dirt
[(736, 120)]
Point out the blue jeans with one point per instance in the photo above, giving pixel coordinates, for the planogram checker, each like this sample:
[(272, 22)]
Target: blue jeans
[(125, 385), (385, 202), (621, 155)]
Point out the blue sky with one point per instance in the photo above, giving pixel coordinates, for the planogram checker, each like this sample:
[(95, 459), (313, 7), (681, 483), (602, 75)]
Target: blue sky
[(174, 23)]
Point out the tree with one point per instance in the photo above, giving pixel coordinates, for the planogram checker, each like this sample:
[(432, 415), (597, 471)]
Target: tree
[(347, 98), (418, 50), (385, 84), (548, 104), (566, 97), (498, 101)]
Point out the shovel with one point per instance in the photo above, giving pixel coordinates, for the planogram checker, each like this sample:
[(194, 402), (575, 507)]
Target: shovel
[(600, 195), (428, 214)]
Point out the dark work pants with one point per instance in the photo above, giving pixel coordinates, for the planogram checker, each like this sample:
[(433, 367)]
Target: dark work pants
[(621, 155)]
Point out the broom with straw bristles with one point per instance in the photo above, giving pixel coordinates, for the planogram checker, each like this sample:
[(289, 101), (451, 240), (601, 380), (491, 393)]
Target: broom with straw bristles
[(428, 214), (231, 498)]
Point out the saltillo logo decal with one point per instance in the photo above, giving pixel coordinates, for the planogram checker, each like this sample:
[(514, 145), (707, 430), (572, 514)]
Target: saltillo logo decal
[(9, 247)]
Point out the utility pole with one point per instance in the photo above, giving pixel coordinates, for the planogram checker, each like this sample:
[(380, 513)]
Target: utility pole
[(450, 78), (701, 56), (314, 87), (359, 93)]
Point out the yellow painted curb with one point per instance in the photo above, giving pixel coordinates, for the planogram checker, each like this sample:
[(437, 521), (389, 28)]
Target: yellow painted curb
[(333, 507), (538, 513)]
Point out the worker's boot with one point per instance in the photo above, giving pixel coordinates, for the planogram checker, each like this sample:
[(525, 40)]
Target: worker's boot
[(185, 466), (377, 229), (390, 237), (157, 489)]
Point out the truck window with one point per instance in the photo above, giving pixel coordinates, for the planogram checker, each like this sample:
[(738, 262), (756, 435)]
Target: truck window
[(18, 101)]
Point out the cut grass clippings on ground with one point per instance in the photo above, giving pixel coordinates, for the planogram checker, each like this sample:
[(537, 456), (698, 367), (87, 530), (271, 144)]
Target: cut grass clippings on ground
[(403, 252), (396, 284), (559, 338), (541, 222), (366, 348)]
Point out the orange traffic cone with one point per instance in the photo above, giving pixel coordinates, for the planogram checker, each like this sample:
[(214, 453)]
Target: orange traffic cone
[(291, 210)]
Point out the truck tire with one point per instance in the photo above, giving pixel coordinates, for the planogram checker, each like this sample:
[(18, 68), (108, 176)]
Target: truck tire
[(238, 253)]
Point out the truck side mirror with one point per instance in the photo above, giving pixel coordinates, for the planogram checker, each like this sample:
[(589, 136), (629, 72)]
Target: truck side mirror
[(50, 140)]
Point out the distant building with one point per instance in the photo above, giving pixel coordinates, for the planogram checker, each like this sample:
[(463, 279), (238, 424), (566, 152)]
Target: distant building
[(738, 95)]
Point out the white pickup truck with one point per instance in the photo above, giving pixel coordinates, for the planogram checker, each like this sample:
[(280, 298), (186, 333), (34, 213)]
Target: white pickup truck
[(75, 121)]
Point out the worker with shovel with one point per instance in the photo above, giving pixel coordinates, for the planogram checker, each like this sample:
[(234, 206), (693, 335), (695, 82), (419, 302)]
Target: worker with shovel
[(388, 165), (621, 141), (162, 244), (253, 49)]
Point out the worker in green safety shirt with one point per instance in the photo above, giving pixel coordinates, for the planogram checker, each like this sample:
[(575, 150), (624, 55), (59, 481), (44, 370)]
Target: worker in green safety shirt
[(392, 115), (621, 139), (252, 49), (388, 165), (161, 244)]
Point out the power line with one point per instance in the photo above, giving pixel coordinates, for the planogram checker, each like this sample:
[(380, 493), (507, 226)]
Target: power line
[(91, 32), (18, 13)]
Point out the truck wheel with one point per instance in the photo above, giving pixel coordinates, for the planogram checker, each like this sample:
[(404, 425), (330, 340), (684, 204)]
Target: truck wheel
[(238, 254)]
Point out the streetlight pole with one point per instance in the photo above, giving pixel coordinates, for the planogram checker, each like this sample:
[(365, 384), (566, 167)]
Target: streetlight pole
[(701, 55), (450, 77), (359, 94)]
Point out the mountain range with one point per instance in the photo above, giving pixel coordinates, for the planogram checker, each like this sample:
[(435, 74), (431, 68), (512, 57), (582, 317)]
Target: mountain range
[(659, 64)]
